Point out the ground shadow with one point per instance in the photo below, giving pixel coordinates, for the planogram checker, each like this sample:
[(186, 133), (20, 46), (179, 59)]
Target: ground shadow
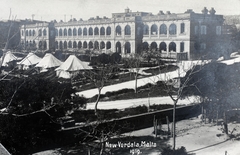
[(207, 147)]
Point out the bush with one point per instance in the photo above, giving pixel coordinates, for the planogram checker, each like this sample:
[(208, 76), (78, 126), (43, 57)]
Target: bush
[(122, 91), (27, 126), (179, 151)]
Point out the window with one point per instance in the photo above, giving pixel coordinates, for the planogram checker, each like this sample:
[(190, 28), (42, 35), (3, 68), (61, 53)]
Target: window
[(172, 29), (145, 30), (65, 32), (203, 29), (182, 27), (196, 30), (218, 30), (127, 30), (182, 47), (44, 32), (40, 32), (108, 30), (203, 46), (163, 29)]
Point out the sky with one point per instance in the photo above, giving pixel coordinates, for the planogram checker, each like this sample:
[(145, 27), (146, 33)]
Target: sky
[(48, 10)]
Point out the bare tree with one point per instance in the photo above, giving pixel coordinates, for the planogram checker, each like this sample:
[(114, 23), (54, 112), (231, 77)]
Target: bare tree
[(100, 77), (134, 62), (174, 86)]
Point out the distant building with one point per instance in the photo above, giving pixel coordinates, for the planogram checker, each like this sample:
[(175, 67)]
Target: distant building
[(184, 36), (10, 33)]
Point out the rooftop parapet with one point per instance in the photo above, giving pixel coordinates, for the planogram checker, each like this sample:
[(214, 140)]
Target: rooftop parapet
[(85, 22)]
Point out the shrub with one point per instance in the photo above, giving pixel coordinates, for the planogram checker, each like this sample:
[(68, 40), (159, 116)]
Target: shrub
[(179, 151), (26, 127), (122, 91)]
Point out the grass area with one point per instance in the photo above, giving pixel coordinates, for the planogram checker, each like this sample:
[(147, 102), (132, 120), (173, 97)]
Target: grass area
[(89, 116), (123, 76)]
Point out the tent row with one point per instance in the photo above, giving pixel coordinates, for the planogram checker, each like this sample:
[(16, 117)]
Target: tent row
[(71, 67)]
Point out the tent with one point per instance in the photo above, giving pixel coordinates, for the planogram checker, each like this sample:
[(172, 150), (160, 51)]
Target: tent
[(29, 60), (9, 57), (71, 67), (48, 61)]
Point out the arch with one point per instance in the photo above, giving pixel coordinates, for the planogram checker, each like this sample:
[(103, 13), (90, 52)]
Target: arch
[(118, 47), (153, 46), (102, 31), (145, 30), (74, 44), (26, 33), (163, 47), (65, 32), (154, 29), (118, 30), (30, 32), (40, 32), (127, 30), (84, 44), (127, 48), (40, 44), (69, 32), (69, 44), (44, 32), (60, 32), (56, 32), (56, 45), (79, 31), (90, 31), (61, 45), (163, 29), (34, 44), (44, 45), (65, 45), (74, 32), (172, 29), (96, 31), (102, 45), (33, 33), (79, 45), (172, 47), (90, 44), (108, 30), (96, 45), (84, 31), (145, 46), (108, 45)]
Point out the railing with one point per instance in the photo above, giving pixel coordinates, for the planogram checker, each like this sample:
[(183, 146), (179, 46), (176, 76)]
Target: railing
[(175, 55)]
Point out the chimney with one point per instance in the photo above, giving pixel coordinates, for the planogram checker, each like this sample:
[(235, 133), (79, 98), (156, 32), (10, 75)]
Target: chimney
[(168, 12), (212, 11), (127, 10), (205, 11), (161, 12)]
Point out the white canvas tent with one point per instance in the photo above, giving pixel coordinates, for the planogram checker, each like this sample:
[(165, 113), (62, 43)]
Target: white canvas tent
[(48, 61), (29, 60), (71, 67), (8, 58)]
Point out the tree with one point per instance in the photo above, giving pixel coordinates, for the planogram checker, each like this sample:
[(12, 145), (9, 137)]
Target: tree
[(218, 85), (134, 63), (100, 76), (30, 108), (175, 86)]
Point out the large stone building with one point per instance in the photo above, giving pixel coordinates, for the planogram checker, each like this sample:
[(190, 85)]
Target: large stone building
[(184, 35)]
